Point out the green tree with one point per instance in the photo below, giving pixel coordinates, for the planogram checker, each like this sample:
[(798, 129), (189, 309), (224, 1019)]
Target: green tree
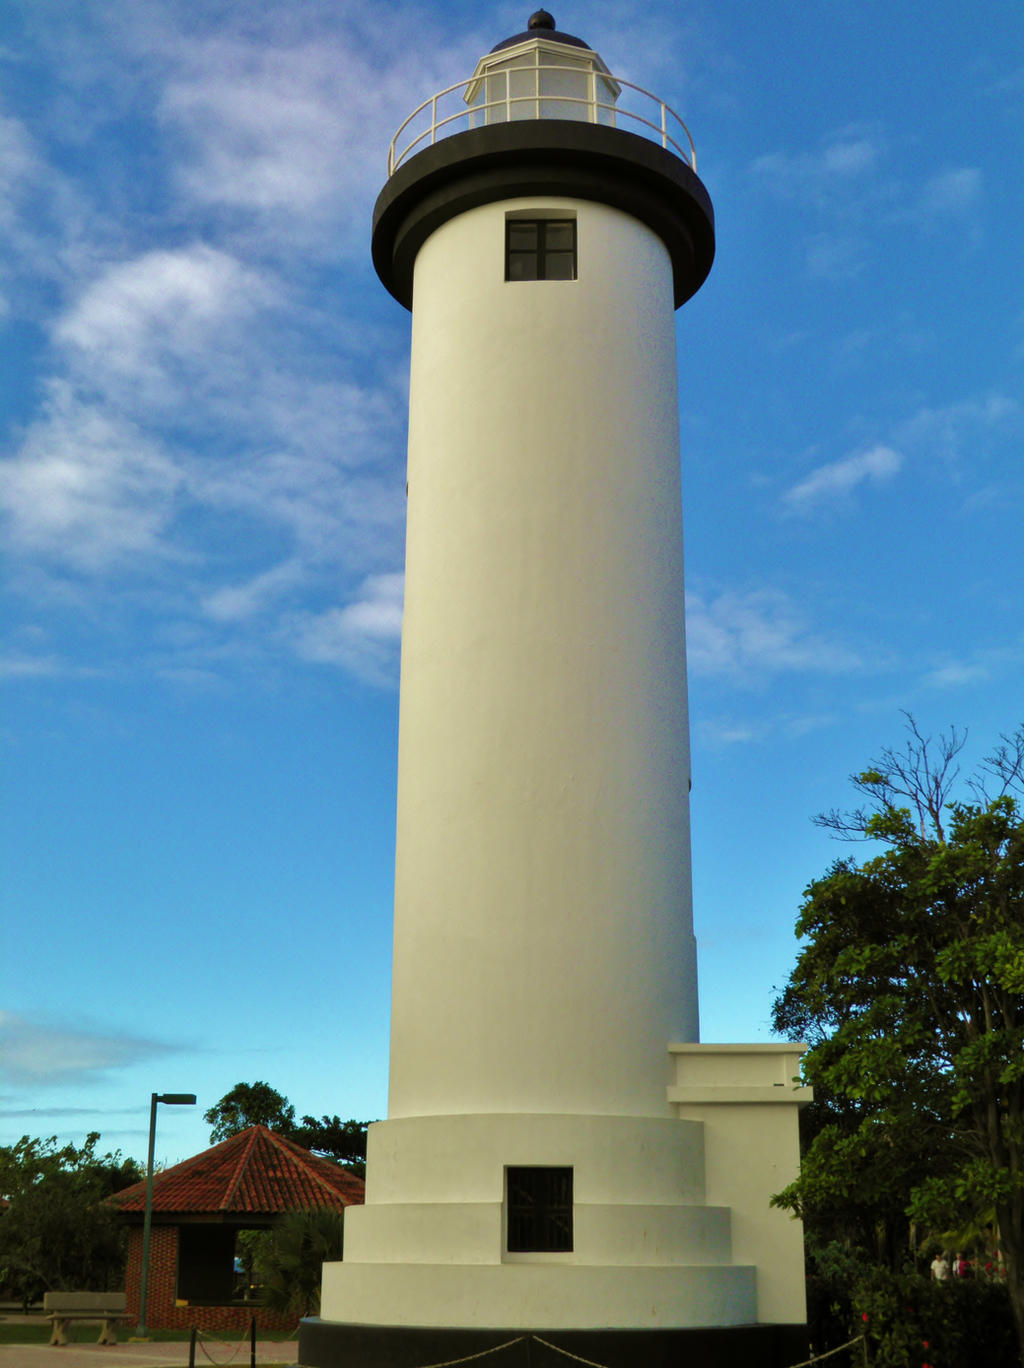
[(56, 1234), (910, 990), (290, 1258), (250, 1104), (342, 1141)]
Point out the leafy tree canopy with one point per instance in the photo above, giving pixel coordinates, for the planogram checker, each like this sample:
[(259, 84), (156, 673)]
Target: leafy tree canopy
[(342, 1141), (55, 1233), (252, 1104), (910, 989)]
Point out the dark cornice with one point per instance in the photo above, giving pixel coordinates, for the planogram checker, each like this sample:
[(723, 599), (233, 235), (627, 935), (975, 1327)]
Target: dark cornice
[(551, 157)]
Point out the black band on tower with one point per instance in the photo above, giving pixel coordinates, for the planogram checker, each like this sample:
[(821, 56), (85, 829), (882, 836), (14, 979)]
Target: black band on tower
[(548, 157)]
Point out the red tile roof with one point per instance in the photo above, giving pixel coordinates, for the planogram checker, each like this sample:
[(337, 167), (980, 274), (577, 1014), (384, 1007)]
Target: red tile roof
[(254, 1172)]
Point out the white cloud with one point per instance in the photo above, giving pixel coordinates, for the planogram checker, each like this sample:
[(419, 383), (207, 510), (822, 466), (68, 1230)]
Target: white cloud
[(362, 637), (985, 663), (149, 319), (87, 488), (834, 256), (40, 1053), (291, 129), (839, 478), (945, 431), (952, 192), (18, 163), (956, 675), (719, 732), (747, 636), (233, 603), (29, 667), (846, 157)]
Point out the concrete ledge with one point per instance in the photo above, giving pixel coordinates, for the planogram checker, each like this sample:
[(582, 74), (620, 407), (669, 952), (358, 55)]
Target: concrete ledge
[(725, 1094), (550, 1293)]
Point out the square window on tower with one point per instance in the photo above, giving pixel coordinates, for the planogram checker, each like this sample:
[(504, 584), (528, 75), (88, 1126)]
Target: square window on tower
[(539, 1210), (540, 249)]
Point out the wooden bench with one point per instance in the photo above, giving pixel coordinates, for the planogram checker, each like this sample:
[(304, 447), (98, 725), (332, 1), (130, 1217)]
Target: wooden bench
[(64, 1307)]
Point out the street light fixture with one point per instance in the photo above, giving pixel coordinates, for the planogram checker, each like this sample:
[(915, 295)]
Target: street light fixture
[(170, 1100)]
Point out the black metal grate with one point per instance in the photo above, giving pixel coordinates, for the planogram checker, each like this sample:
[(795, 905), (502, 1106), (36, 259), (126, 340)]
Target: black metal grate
[(539, 1202)]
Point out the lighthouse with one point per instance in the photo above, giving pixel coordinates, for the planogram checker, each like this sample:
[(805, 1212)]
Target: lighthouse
[(564, 1168)]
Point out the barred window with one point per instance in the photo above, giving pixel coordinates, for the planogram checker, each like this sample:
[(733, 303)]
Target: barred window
[(539, 1208)]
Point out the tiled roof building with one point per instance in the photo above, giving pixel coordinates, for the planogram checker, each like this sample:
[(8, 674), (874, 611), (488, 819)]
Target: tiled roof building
[(246, 1182), (256, 1172)]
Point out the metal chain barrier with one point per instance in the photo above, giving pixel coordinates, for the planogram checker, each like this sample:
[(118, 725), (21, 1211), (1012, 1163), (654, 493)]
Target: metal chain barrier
[(565, 1352), (830, 1353), (592, 1363), (484, 1353), (220, 1362)]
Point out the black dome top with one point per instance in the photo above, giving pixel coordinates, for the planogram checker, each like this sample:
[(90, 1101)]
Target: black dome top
[(541, 24)]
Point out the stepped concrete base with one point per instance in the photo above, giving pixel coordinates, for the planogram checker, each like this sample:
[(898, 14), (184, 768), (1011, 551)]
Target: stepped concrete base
[(326, 1344), (524, 1295)]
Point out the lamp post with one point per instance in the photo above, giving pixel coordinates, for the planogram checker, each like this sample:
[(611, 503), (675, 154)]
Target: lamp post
[(171, 1100)]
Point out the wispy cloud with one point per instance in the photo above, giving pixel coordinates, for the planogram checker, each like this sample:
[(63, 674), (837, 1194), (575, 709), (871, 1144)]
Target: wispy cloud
[(851, 186), (155, 319), (36, 1052), (29, 667), (948, 432), (207, 406), (838, 164), (745, 637), (288, 126), (837, 184), (86, 487), (718, 731), (237, 602), (18, 165), (363, 636), (837, 479), (975, 667), (952, 192), (956, 675)]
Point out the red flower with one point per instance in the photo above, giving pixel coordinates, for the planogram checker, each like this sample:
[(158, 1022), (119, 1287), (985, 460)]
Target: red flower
[(924, 1344), (864, 1317)]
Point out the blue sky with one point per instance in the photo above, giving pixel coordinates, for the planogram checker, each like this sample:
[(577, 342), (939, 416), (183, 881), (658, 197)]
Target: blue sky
[(202, 426)]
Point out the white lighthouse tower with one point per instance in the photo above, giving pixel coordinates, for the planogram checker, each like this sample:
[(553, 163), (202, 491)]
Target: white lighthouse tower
[(562, 1164)]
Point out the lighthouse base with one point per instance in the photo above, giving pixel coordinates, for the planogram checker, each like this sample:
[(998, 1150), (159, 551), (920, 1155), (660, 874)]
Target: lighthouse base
[(323, 1344), (653, 1236)]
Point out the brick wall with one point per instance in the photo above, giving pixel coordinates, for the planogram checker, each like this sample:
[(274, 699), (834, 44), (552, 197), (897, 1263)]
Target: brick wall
[(161, 1312)]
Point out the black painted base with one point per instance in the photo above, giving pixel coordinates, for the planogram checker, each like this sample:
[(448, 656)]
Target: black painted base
[(327, 1344)]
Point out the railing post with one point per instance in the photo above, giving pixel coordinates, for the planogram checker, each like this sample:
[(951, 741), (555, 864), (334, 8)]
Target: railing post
[(593, 95), (664, 126), (433, 121), (508, 95)]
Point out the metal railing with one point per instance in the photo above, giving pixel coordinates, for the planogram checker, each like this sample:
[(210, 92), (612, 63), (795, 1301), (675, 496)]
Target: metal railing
[(665, 127)]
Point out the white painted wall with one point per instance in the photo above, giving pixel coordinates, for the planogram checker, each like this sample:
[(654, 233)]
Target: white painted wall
[(544, 953), (746, 1100)]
